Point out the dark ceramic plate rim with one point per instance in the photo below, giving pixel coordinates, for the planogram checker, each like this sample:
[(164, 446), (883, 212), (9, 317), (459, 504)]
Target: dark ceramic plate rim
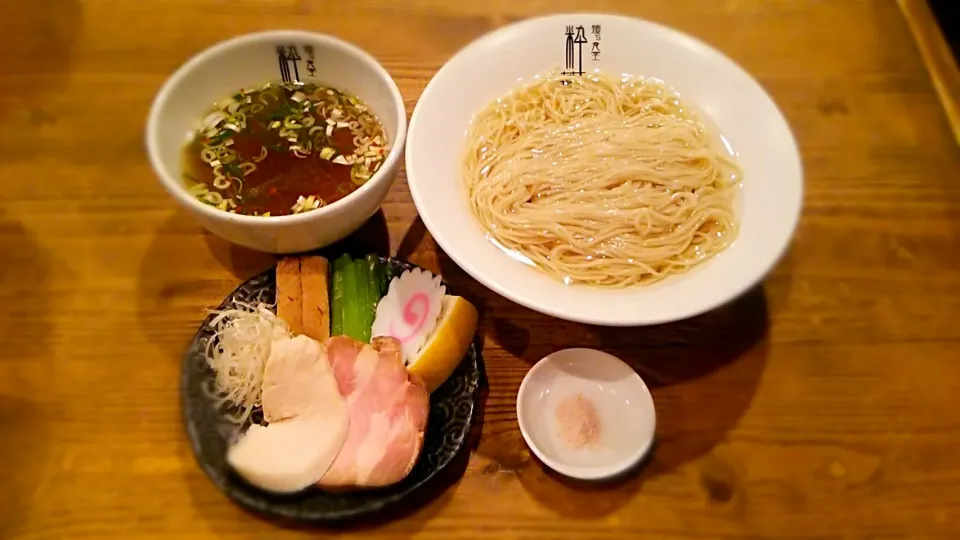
[(282, 506)]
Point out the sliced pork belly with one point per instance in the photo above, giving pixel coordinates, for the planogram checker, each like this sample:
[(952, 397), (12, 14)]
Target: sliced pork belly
[(388, 413)]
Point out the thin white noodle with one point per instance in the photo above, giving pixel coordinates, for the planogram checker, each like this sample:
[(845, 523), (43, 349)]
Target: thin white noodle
[(602, 181)]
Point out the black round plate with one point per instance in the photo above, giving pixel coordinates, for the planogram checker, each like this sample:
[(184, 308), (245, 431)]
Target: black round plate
[(451, 415)]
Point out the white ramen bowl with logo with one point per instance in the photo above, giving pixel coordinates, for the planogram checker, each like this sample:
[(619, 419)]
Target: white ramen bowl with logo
[(769, 197), (251, 60)]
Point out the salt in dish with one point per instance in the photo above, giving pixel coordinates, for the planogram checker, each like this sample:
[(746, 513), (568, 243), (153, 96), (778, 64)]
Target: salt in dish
[(586, 414)]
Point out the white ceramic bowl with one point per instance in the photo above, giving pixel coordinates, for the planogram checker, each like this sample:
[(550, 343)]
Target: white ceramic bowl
[(621, 399), (770, 198), (250, 60)]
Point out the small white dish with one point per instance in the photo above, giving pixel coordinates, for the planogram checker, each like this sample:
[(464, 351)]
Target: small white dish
[(622, 401), (251, 60), (770, 198)]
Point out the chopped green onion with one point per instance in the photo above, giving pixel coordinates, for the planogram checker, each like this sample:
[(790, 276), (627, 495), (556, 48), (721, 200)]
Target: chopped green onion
[(359, 174), (213, 119), (212, 197)]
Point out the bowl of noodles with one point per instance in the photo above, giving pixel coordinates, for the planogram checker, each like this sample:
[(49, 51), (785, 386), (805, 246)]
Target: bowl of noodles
[(604, 169)]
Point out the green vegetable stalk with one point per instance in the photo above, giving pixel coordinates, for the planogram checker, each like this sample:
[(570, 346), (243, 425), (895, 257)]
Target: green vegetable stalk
[(337, 300), (358, 285)]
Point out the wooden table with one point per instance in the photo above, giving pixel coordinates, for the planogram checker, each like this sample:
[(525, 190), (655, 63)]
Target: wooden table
[(824, 404)]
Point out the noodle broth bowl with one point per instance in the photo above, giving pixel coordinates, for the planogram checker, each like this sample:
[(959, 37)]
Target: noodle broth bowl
[(604, 169), (282, 141)]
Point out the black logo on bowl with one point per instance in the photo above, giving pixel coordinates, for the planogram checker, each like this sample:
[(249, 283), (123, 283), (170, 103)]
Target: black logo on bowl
[(595, 51), (312, 69), (287, 57), (573, 47)]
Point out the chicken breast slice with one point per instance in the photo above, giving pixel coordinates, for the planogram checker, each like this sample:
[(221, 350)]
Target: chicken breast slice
[(290, 455), (308, 420), (297, 379)]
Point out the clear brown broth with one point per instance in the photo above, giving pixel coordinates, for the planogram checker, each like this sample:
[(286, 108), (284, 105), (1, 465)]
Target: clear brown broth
[(284, 170)]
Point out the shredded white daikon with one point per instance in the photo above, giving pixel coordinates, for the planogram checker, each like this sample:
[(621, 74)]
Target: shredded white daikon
[(238, 353)]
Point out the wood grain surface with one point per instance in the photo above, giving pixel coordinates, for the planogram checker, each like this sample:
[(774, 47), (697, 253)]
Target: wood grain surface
[(823, 404), (937, 56)]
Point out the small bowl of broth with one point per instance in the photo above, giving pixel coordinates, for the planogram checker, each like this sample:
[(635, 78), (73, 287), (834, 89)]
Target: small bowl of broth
[(282, 141)]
